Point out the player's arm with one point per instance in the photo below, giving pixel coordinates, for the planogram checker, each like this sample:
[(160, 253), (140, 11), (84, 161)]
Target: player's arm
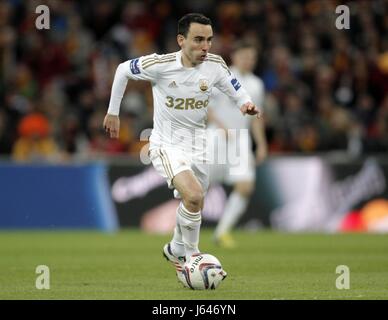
[(258, 132), (143, 68), (258, 125), (229, 84)]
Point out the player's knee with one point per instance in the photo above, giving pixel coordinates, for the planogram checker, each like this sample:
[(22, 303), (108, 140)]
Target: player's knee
[(194, 200), (245, 189)]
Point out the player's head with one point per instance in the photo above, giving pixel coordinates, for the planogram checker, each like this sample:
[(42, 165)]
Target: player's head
[(195, 35), (244, 56)]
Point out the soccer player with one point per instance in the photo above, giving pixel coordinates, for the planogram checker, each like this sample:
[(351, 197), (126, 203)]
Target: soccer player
[(223, 114), (182, 83)]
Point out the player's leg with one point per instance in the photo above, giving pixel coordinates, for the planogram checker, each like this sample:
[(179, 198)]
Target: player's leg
[(168, 163), (189, 210), (177, 246), (235, 206), (243, 181)]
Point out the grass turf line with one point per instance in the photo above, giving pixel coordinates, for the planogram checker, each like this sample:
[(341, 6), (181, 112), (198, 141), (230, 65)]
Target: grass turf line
[(129, 265)]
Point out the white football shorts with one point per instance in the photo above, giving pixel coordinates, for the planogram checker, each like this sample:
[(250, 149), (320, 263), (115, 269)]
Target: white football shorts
[(168, 162), (230, 162)]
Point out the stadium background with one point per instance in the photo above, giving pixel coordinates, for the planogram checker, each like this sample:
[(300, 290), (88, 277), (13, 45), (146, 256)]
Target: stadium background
[(61, 178), (326, 97)]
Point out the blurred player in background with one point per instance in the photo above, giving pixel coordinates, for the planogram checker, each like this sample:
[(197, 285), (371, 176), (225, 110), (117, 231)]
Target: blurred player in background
[(224, 115), (182, 83)]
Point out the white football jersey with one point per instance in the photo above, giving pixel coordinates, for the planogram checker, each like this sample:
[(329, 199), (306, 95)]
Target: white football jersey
[(181, 96), (224, 109)]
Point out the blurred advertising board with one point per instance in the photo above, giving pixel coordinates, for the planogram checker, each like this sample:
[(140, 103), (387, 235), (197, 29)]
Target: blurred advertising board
[(292, 194)]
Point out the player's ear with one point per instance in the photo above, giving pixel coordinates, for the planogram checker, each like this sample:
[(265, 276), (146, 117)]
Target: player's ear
[(180, 39)]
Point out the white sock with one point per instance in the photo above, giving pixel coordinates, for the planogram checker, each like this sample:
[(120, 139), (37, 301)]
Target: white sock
[(234, 208), (190, 224), (177, 246)]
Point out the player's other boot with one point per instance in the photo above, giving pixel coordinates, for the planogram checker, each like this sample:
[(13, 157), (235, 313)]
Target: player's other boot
[(177, 262), (225, 240)]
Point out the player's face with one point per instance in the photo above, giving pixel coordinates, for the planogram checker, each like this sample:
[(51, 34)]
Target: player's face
[(197, 43), (245, 59)]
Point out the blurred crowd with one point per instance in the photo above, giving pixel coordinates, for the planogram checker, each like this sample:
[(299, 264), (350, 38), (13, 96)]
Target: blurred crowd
[(326, 89)]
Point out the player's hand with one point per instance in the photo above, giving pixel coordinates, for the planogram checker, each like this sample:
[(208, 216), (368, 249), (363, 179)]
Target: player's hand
[(251, 109), (112, 125)]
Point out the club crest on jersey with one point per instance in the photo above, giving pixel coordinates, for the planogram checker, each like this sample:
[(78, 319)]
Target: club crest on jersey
[(203, 84)]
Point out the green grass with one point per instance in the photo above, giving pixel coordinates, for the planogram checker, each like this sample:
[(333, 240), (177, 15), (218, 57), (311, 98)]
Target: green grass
[(129, 265)]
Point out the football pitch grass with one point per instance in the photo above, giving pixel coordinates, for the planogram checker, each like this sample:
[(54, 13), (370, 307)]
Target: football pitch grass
[(129, 265)]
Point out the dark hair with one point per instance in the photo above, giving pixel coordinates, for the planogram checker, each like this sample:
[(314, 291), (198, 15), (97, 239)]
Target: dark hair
[(186, 20), (243, 44)]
